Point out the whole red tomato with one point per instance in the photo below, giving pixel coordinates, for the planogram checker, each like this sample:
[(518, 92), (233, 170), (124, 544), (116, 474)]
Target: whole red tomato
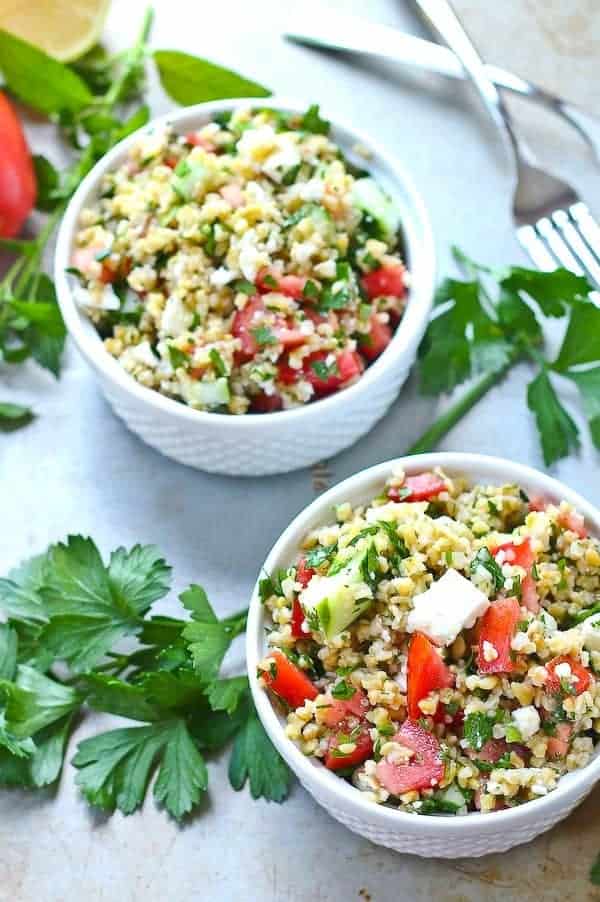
[(17, 176)]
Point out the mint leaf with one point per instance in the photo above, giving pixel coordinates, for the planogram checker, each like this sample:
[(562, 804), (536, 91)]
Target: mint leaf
[(188, 79), (581, 343), (39, 80), (588, 383), (255, 759), (14, 416), (558, 433)]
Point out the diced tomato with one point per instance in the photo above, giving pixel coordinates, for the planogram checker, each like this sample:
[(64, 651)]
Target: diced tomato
[(537, 503), (316, 317), (171, 162), (304, 574), (335, 760), (233, 195), (579, 682), (423, 772), (287, 374), (558, 745), (521, 556), (422, 487), (264, 403), (575, 522), (341, 709), (297, 621), (243, 323), (84, 259), (387, 281), (291, 286), (288, 334), (498, 627), (198, 140), (375, 343), (494, 749), (288, 681), (426, 672), (348, 366)]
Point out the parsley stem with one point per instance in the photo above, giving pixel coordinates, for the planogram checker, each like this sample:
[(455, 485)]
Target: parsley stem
[(132, 59), (442, 426)]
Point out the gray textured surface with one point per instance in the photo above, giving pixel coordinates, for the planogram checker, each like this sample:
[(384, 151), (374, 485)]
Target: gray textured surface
[(78, 469)]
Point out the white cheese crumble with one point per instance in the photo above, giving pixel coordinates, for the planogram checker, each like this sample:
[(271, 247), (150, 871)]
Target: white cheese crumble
[(590, 630), (490, 652), (221, 276), (450, 605), (527, 721), (563, 671), (175, 318), (143, 354)]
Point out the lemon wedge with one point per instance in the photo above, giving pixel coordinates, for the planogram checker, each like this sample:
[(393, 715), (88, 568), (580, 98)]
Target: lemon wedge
[(65, 29)]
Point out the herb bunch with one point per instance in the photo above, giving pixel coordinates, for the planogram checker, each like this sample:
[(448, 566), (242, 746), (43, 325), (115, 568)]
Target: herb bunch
[(492, 321), (61, 653), (95, 103)]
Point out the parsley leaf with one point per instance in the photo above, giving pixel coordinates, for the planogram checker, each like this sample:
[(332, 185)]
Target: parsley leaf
[(225, 695), (477, 729), (558, 433), (553, 291), (323, 370), (255, 759), (8, 652), (581, 343), (208, 638), (312, 122), (483, 558), (264, 336), (588, 383), (90, 605), (343, 690), (317, 556), (35, 701)]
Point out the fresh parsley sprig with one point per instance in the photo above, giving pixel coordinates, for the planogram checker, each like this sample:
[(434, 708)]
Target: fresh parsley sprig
[(62, 652), (492, 321)]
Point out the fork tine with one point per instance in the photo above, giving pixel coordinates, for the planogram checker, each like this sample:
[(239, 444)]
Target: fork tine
[(535, 247), (573, 239), (557, 245), (588, 226)]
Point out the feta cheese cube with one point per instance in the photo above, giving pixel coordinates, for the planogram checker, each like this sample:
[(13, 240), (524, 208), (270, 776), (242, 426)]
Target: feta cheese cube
[(143, 354), (527, 721), (450, 605), (590, 630), (175, 318)]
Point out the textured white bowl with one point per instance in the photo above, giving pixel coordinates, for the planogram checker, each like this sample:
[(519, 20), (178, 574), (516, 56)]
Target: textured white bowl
[(253, 444), (441, 837)]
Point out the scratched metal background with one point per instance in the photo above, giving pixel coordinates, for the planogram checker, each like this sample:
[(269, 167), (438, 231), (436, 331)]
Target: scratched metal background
[(78, 469)]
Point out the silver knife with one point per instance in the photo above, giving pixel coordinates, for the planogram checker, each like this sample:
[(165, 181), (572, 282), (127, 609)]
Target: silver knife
[(336, 31)]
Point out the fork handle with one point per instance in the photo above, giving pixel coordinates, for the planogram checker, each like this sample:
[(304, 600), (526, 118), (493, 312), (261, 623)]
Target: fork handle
[(440, 16)]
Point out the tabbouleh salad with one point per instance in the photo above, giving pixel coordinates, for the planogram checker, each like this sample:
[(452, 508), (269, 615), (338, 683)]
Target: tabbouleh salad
[(438, 647), (245, 267)]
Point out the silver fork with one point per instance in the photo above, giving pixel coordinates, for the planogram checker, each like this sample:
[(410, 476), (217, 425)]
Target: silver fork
[(553, 224)]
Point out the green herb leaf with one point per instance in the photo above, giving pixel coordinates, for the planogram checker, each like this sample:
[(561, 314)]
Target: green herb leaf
[(183, 776), (264, 336), (47, 181), (478, 729), (323, 370), (188, 79), (8, 652), (195, 600), (255, 759), (558, 432), (14, 416), (483, 558), (343, 690), (553, 291), (225, 695), (35, 701), (177, 357), (595, 872), (39, 80), (317, 556), (114, 696), (312, 121), (581, 343), (244, 286), (588, 383)]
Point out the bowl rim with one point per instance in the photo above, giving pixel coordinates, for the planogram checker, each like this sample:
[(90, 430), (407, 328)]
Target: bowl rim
[(407, 335), (313, 774)]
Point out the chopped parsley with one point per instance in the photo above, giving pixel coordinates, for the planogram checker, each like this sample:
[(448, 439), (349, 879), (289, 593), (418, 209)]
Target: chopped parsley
[(177, 357), (317, 556), (264, 336), (244, 286), (484, 559), (312, 121), (311, 289), (478, 729), (323, 370), (343, 690), (217, 362)]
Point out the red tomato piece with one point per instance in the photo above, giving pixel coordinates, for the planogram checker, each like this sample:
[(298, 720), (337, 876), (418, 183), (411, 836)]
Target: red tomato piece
[(375, 343), (304, 574), (423, 772), (243, 322), (84, 259), (348, 366), (558, 745), (363, 749), (579, 681), (233, 195), (537, 503), (287, 374), (297, 621), (575, 522), (494, 749), (498, 626), (521, 556), (17, 175), (387, 281), (288, 681), (291, 286), (289, 335), (264, 403), (198, 140), (422, 487), (341, 709), (426, 672)]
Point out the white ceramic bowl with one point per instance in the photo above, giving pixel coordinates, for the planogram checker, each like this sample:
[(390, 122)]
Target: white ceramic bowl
[(253, 445), (445, 837)]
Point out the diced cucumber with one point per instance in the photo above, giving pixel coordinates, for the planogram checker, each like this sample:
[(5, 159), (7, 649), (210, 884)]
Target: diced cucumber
[(209, 394), (369, 197), (340, 599), (187, 177), (452, 797)]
